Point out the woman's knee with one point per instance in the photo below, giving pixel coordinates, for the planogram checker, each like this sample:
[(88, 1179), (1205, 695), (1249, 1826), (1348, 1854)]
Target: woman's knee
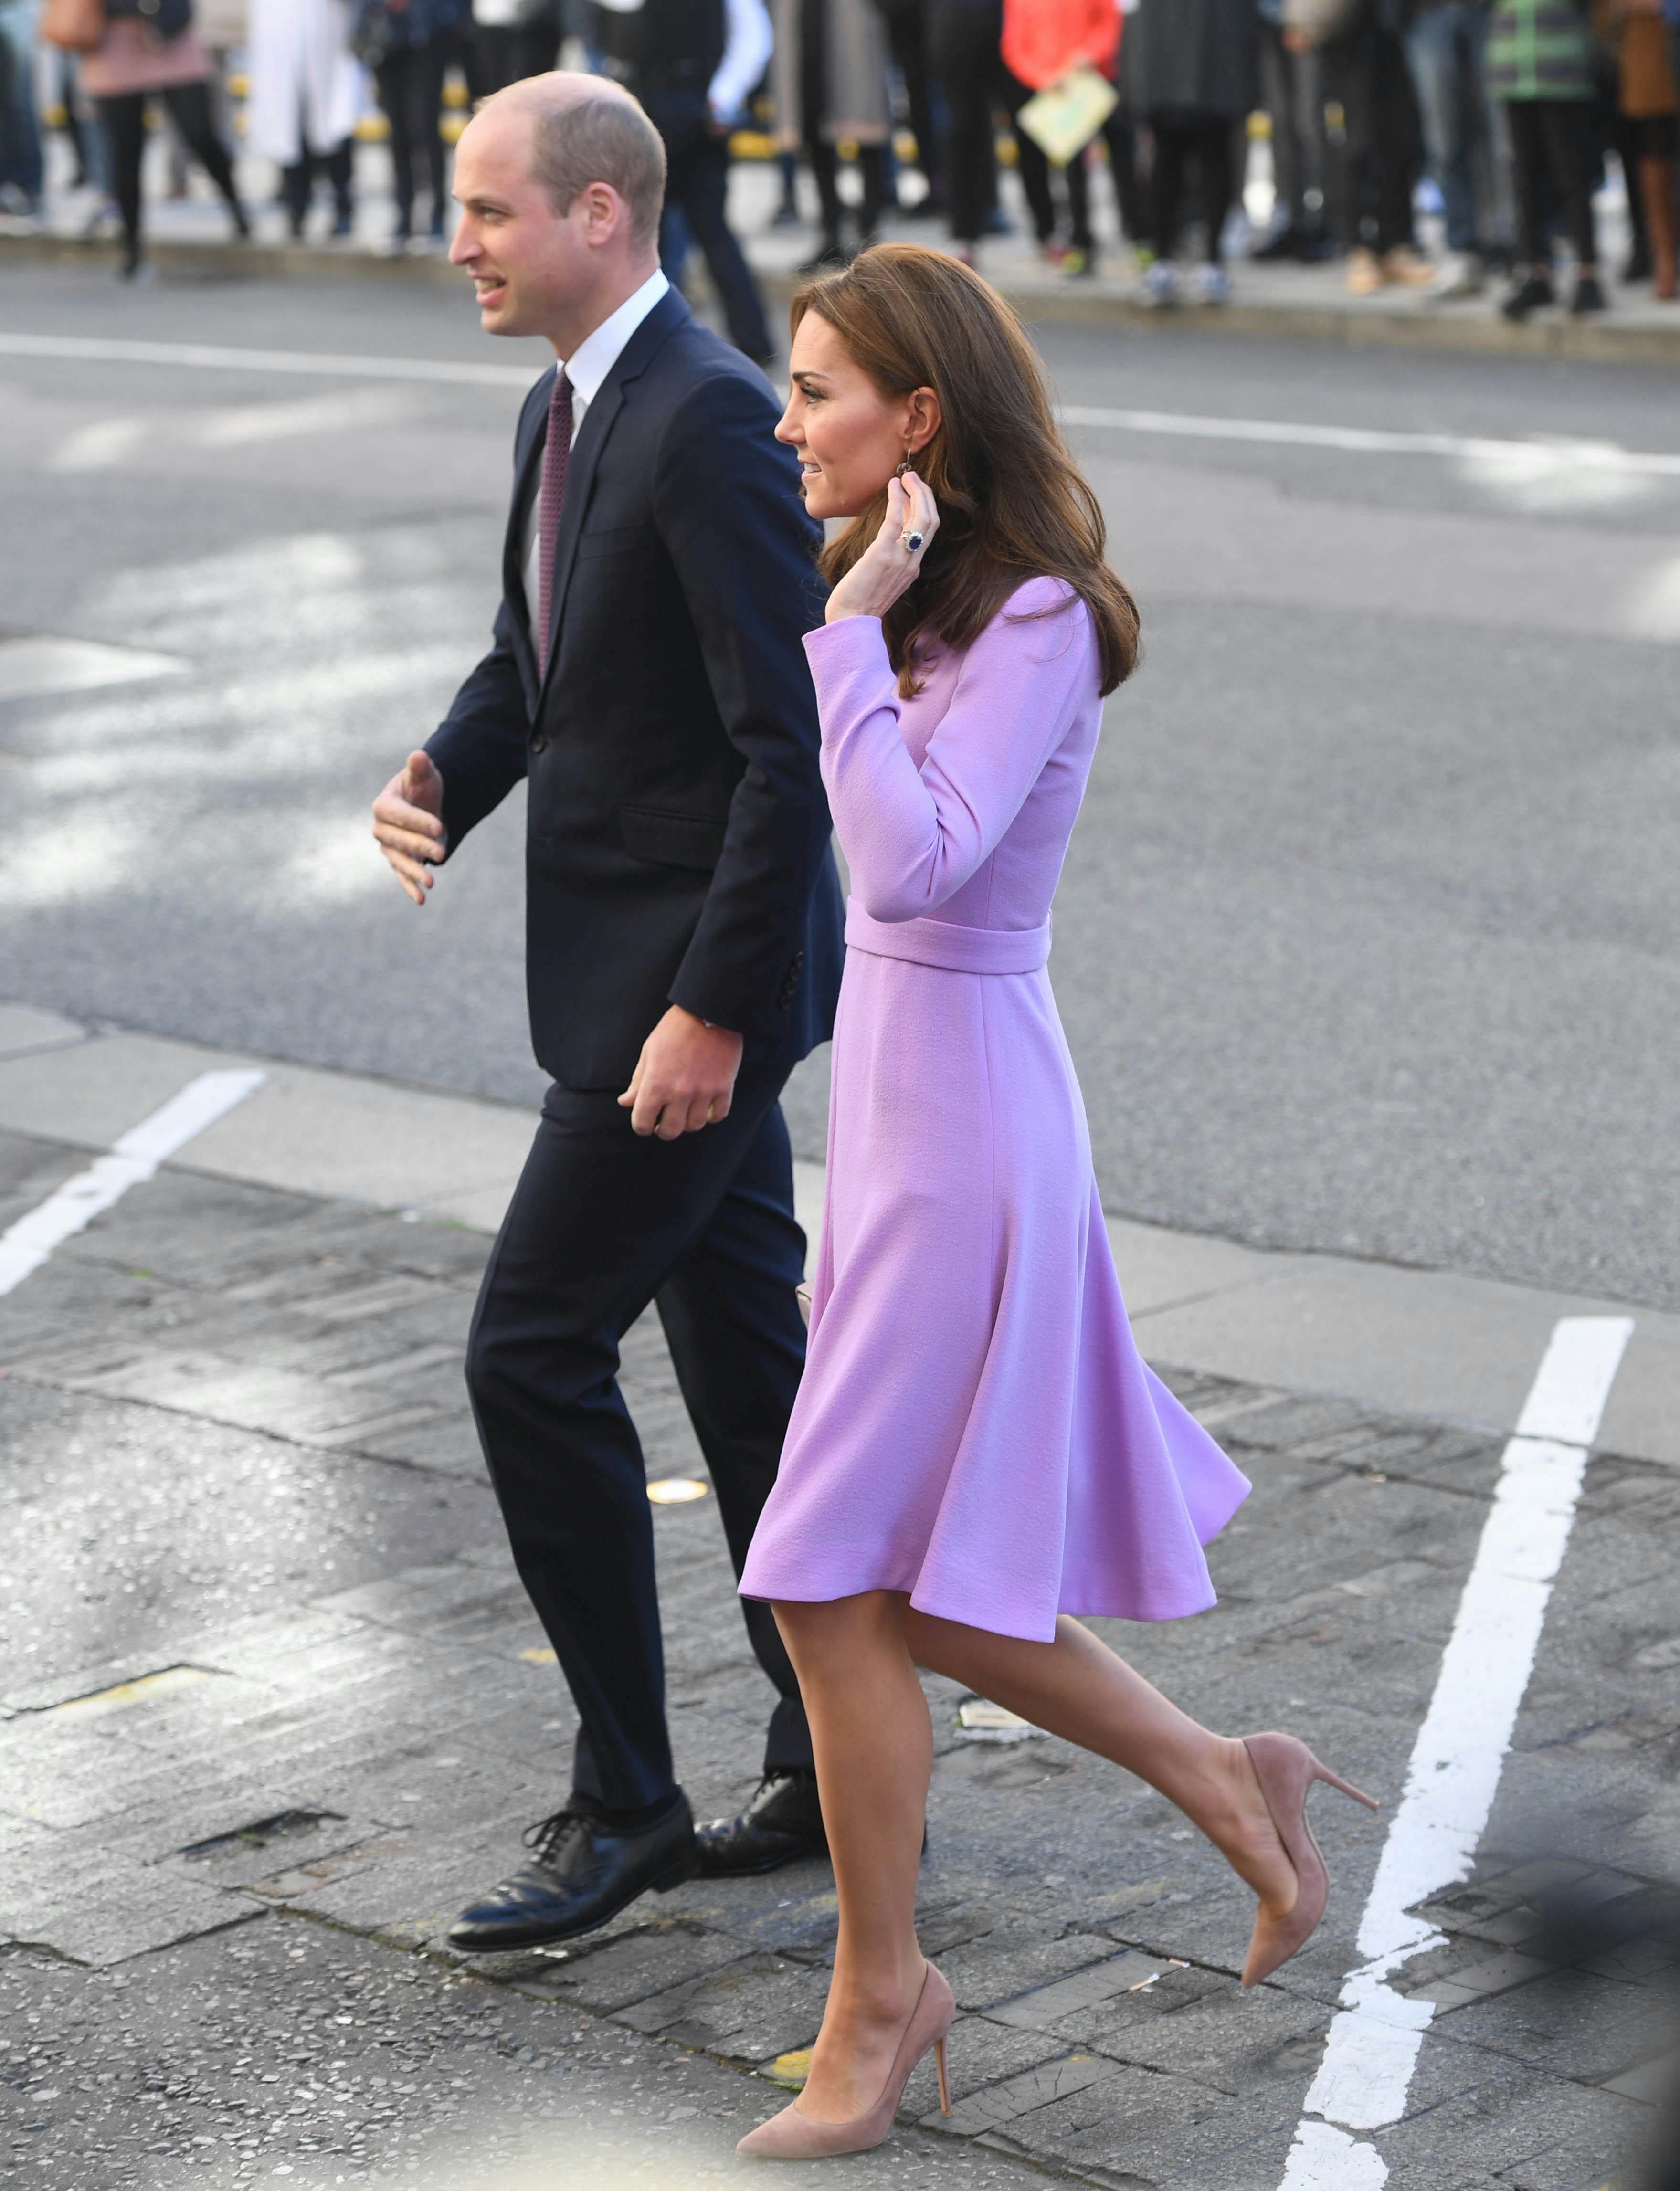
[(825, 1632)]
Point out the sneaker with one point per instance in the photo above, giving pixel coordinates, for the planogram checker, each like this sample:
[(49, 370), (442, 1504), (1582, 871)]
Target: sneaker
[(1079, 264), (1160, 284), (1459, 275), (1365, 272), (1531, 293), (1407, 269), (1213, 284), (1589, 295)]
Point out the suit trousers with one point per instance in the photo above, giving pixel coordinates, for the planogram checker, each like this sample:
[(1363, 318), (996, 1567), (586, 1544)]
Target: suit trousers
[(602, 1222)]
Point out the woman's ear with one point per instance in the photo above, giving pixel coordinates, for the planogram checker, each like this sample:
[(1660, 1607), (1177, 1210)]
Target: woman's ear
[(924, 420)]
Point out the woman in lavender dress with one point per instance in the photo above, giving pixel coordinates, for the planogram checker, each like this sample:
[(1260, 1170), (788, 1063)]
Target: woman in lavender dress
[(977, 1454)]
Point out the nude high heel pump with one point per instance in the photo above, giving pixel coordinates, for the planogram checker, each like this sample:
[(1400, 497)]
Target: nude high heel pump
[(793, 2136), (1286, 1770)]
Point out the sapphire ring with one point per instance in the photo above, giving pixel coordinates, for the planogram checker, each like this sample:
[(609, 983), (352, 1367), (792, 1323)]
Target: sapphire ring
[(913, 542)]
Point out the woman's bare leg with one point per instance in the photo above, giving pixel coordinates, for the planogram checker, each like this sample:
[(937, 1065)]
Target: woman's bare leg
[(874, 1745), (1078, 1688)]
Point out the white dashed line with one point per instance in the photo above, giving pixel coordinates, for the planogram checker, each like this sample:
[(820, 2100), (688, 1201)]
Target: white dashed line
[(27, 1244)]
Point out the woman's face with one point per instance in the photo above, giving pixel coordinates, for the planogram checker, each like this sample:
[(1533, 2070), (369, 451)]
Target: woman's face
[(849, 437)]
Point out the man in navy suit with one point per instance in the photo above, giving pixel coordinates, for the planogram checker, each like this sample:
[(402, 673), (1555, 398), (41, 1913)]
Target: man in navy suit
[(683, 951)]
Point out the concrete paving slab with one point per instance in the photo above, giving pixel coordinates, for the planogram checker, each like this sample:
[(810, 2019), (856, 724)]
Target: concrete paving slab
[(23, 1028), (313, 1132), (1431, 1342)]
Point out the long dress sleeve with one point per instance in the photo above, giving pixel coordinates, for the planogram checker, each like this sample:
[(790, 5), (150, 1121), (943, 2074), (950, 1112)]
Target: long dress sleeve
[(914, 836)]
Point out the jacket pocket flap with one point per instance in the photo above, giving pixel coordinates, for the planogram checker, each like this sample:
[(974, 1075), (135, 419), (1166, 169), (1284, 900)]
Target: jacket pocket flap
[(611, 540), (679, 841)]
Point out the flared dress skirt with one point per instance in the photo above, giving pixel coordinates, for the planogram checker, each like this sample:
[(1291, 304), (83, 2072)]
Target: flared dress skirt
[(976, 1427)]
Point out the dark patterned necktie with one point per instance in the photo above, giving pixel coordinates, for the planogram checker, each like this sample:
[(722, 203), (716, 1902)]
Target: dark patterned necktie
[(556, 450)]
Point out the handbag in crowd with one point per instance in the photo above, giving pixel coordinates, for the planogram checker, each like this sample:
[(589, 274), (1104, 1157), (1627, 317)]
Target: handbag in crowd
[(164, 19), (75, 26)]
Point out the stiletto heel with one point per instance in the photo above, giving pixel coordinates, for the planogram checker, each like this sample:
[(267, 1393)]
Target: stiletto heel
[(1347, 1787), (1286, 1770), (794, 2136)]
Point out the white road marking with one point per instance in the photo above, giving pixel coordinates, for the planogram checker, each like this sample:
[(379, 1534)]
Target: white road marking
[(31, 666), (1371, 2049), (96, 350), (24, 1246), (1363, 441), (1358, 441)]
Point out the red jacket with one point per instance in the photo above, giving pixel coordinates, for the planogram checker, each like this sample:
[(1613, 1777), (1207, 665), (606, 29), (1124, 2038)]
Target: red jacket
[(1043, 39)]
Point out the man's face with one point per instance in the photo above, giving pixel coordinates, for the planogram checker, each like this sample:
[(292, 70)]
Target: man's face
[(529, 263)]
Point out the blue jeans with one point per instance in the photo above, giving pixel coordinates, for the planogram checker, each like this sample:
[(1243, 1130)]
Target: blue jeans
[(1445, 46), (20, 162)]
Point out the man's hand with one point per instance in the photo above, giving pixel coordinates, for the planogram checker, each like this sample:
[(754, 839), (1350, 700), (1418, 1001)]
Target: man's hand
[(408, 823), (684, 1078)]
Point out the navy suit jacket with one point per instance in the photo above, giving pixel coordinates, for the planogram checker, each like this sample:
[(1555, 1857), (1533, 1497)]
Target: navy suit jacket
[(677, 833)]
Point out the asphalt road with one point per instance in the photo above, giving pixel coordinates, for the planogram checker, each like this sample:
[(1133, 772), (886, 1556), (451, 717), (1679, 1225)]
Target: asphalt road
[(1367, 940)]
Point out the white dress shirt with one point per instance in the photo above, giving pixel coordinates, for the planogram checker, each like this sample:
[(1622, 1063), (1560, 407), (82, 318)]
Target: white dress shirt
[(586, 368)]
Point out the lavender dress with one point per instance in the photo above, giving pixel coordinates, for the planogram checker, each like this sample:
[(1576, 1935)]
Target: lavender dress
[(975, 1426)]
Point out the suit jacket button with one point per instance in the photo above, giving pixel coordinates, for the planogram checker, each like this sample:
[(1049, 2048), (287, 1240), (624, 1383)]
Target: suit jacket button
[(537, 742)]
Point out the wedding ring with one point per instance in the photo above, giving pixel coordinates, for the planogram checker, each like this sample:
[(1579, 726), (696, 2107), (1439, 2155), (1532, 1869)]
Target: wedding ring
[(913, 542)]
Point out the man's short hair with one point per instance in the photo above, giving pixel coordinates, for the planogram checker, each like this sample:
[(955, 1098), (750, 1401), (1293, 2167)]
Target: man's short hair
[(605, 140)]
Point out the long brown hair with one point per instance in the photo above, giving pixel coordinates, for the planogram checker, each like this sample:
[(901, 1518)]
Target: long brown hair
[(1012, 503)]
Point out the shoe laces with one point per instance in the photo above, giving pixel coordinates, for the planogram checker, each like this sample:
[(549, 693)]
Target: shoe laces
[(547, 1838)]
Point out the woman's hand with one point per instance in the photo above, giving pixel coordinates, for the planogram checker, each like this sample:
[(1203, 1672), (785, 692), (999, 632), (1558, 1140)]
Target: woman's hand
[(890, 564)]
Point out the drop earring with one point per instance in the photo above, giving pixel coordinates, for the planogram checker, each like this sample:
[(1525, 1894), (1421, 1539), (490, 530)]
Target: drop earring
[(902, 466)]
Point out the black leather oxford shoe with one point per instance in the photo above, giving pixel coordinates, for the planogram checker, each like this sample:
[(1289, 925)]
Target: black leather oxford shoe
[(583, 1870), (782, 1823)]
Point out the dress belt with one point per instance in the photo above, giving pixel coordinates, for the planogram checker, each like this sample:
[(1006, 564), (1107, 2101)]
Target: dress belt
[(942, 943)]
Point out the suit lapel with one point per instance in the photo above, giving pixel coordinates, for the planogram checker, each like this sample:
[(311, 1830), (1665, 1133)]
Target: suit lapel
[(528, 459), (668, 314)]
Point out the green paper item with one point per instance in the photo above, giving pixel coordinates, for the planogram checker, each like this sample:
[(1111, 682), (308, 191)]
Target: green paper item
[(1063, 117)]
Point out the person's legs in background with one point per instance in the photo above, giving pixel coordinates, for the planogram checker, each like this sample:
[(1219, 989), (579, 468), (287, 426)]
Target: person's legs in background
[(907, 33), (392, 78), (872, 172), (1033, 168), (1653, 151), (123, 119), (1216, 146), (963, 47), (1566, 127), (21, 163), (1171, 138), (433, 62), (1399, 141), (1550, 153), (1444, 54), (340, 169), (194, 115), (1292, 93), (1081, 258), (696, 185), (1131, 198), (824, 164), (1366, 71)]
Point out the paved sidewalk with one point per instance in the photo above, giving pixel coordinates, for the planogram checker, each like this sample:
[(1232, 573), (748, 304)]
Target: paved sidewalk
[(274, 1704), (191, 234)]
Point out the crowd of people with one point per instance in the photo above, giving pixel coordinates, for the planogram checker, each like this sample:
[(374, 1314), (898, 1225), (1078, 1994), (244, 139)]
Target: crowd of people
[(1510, 108)]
